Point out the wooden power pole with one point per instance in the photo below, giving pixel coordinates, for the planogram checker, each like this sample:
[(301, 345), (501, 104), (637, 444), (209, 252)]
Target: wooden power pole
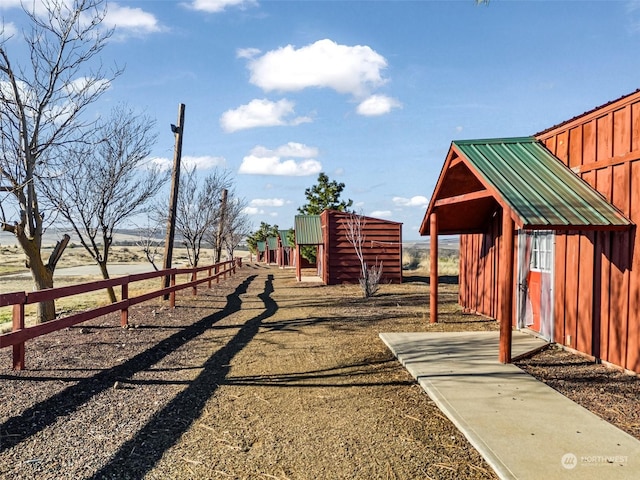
[(223, 211), (173, 200)]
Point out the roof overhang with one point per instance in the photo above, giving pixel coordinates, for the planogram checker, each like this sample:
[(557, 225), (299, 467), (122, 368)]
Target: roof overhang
[(481, 177)]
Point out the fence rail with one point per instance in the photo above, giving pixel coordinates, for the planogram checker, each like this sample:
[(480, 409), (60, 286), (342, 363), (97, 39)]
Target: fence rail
[(20, 333)]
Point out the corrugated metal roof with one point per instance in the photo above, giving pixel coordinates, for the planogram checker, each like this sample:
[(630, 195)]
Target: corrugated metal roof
[(262, 245), (272, 243), (541, 190), (283, 238), (308, 230)]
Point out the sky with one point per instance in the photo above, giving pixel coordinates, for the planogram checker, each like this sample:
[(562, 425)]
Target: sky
[(370, 92)]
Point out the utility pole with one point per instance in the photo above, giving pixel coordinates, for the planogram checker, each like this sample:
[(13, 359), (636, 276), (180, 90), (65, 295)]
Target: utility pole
[(223, 211), (173, 199)]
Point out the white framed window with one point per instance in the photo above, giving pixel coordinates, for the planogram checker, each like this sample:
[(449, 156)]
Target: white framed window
[(541, 251)]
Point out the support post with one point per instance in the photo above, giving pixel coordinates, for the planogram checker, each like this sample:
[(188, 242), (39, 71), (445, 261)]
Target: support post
[(433, 280), (506, 308), (124, 313), (173, 200), (18, 324), (172, 295)]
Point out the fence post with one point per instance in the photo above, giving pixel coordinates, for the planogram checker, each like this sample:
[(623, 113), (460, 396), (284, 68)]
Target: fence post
[(209, 275), (217, 266), (124, 313), (172, 295), (18, 324), (194, 289)]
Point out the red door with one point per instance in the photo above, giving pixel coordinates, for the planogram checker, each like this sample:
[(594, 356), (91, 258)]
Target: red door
[(534, 284)]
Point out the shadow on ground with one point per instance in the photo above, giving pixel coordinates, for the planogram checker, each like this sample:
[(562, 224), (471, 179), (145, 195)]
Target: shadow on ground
[(43, 414), (139, 455)]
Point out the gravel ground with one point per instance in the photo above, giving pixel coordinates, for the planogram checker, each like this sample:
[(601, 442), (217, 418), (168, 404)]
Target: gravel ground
[(609, 393), (259, 377)]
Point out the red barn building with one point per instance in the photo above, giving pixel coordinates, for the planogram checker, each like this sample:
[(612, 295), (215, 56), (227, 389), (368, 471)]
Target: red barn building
[(337, 260), (548, 231)]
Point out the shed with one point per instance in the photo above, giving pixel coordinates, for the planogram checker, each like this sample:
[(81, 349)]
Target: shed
[(308, 232), (262, 251), (272, 250), (337, 259), (548, 238), (286, 252)]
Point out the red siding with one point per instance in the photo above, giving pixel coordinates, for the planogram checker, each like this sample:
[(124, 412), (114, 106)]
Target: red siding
[(598, 290), (597, 274), (479, 267), (383, 244)]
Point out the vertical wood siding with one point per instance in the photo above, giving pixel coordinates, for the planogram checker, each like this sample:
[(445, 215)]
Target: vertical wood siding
[(597, 281), (383, 245), (597, 274), (479, 270)]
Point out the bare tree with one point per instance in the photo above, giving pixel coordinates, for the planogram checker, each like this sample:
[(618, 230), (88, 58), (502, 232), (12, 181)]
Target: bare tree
[(150, 242), (369, 275), (199, 208), (236, 225), (42, 100), (105, 183)]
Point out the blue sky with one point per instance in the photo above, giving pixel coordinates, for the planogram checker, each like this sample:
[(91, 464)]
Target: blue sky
[(370, 92)]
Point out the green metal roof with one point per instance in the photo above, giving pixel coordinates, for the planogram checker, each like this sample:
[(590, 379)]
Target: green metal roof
[(283, 238), (272, 243), (262, 245), (539, 188), (308, 230)]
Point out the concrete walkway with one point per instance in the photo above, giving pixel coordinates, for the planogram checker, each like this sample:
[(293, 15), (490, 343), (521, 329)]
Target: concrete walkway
[(522, 427)]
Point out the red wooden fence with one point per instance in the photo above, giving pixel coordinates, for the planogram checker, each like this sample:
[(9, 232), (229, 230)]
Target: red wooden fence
[(21, 333)]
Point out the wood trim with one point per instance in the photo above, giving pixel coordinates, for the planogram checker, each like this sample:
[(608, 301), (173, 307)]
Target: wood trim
[(465, 197), (433, 280), (587, 167), (590, 115)]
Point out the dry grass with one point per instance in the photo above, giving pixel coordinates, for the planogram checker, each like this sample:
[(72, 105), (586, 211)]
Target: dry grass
[(416, 262), (15, 277)]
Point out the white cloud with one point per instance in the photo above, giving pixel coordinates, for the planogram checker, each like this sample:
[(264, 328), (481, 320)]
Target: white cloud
[(264, 161), (275, 166), (201, 163), (260, 113), (377, 105), (7, 30), (267, 202), (6, 4), (128, 20), (216, 6), (88, 84), (386, 214), (247, 52), (290, 149), (324, 64), (416, 201), (252, 211)]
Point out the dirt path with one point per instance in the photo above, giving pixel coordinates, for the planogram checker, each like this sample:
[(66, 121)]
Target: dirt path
[(262, 377)]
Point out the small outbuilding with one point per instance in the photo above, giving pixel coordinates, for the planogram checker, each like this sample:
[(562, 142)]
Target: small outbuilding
[(547, 228), (337, 260), (286, 253)]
